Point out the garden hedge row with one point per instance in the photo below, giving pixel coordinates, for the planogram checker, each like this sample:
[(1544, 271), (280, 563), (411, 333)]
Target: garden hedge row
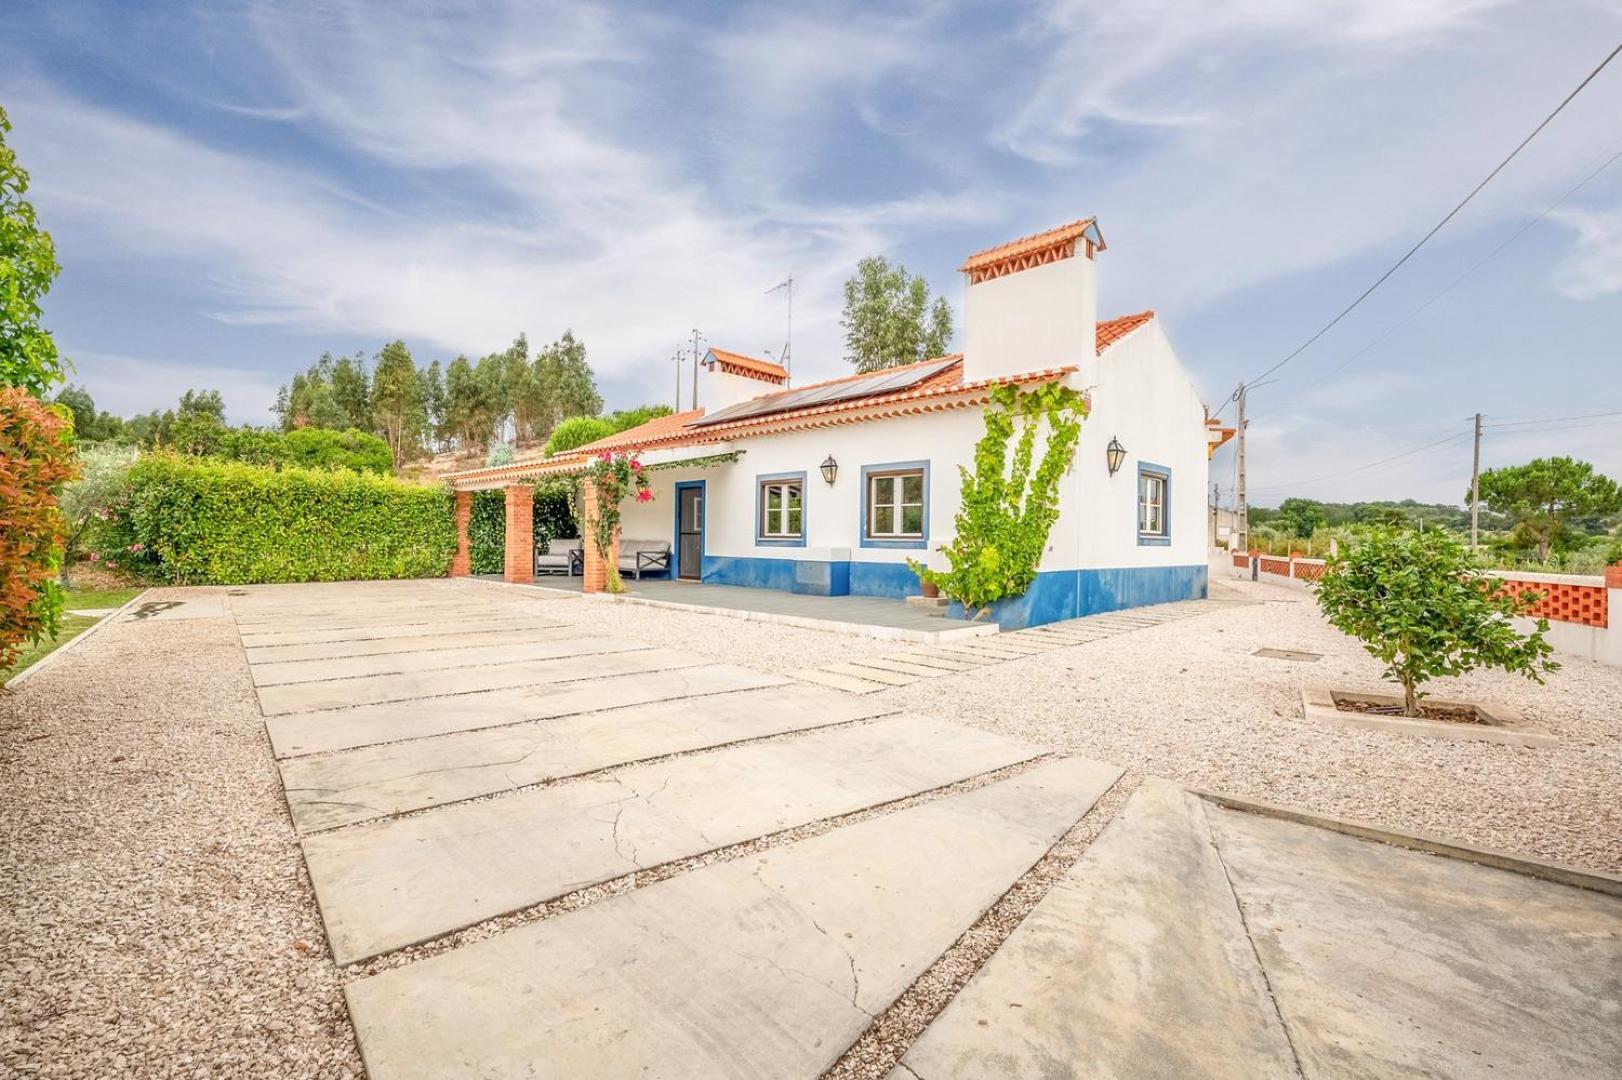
[(226, 523)]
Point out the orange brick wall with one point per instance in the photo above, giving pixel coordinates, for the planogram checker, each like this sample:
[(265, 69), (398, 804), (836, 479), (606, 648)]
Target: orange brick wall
[(518, 563), (1309, 571), (462, 561), (1273, 565), (1584, 604), (1241, 560)]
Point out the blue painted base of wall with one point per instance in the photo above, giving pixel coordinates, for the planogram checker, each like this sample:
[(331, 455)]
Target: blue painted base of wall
[(812, 577), (1055, 595), (1070, 594)]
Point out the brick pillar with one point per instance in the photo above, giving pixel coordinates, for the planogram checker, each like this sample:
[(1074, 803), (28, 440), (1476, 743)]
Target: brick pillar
[(462, 561), (596, 569), (519, 562)]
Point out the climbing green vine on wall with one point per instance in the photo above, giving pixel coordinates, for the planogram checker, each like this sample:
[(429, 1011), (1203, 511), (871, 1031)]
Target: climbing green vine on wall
[(1007, 508)]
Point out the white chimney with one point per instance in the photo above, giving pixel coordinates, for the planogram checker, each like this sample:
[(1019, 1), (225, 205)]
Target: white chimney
[(1032, 304)]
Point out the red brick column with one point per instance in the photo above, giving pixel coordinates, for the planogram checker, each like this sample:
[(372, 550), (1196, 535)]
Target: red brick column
[(462, 561), (596, 569), (519, 561)]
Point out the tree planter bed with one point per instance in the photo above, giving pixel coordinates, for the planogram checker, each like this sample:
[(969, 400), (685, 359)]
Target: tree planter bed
[(1491, 723)]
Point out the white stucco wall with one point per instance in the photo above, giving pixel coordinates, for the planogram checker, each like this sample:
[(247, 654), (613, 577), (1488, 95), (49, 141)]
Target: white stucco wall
[(1038, 318), (1142, 396)]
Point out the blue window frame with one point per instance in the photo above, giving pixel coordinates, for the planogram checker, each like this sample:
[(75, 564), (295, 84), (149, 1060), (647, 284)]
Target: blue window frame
[(1154, 505), (895, 505), (780, 509)]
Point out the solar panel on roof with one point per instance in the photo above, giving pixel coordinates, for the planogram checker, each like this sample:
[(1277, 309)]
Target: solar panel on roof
[(883, 382)]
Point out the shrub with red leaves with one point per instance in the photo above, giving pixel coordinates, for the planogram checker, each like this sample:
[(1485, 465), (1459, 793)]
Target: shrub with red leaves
[(36, 459)]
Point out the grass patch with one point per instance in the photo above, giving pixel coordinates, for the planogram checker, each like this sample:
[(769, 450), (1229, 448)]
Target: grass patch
[(72, 625)]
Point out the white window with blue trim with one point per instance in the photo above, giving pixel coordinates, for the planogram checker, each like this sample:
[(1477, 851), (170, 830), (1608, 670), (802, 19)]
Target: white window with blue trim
[(895, 504), (1154, 504), (780, 509)]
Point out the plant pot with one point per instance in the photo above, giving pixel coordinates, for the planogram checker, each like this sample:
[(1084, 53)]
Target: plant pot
[(931, 589)]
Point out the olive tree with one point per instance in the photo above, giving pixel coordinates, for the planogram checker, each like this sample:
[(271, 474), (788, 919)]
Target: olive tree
[(1420, 607)]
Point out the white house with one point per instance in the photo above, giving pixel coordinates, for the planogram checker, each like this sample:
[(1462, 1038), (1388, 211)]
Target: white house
[(829, 488)]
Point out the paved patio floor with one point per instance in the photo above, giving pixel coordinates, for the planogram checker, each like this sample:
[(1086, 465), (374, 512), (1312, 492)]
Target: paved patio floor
[(548, 851), (870, 616)]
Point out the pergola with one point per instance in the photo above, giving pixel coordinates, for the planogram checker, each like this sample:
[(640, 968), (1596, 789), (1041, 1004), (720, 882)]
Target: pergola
[(517, 482)]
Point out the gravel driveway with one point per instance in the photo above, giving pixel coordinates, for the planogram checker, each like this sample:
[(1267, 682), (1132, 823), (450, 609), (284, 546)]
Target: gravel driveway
[(158, 920), (1188, 702)]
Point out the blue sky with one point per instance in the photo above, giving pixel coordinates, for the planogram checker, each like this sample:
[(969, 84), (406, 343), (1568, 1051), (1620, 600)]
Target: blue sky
[(235, 187)]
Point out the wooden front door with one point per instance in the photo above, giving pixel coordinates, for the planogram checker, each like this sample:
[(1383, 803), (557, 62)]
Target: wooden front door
[(690, 534)]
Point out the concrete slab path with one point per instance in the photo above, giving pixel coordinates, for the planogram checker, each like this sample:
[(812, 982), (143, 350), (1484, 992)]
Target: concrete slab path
[(534, 645), (1391, 962), (572, 659), (316, 634), (359, 785), (1134, 964), (437, 638), (1196, 941), (768, 966), (604, 684), (393, 883)]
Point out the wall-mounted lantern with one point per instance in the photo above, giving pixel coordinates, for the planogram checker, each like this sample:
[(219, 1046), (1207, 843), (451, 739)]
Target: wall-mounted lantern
[(830, 470), (1115, 453)]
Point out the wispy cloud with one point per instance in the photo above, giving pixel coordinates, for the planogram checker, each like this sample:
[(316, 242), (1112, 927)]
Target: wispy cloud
[(1594, 268)]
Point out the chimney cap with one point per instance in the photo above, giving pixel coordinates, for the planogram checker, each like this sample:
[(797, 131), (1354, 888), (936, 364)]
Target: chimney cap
[(1047, 246)]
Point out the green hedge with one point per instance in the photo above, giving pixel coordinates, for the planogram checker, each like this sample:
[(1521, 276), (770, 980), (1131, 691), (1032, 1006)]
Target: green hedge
[(226, 523), (487, 527)]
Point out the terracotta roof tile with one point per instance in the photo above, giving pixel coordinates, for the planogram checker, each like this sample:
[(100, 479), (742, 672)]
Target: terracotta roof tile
[(1113, 330), (655, 428), (987, 261), (748, 366)]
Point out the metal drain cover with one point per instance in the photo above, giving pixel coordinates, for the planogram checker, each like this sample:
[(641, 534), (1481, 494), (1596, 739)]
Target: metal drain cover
[(1289, 654)]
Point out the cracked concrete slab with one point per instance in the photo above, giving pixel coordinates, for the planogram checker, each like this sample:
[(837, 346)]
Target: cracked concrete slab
[(316, 634), (360, 785), (1135, 964), (437, 638), (388, 884), (767, 966), (604, 684), (569, 662), (1392, 962), (537, 645)]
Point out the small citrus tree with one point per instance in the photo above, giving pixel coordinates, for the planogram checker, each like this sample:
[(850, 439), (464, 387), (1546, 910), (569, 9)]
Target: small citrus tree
[(1007, 509), (1424, 610), (615, 476)]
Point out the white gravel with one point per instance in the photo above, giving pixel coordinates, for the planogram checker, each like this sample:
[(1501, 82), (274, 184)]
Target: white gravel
[(158, 921), (1187, 701), (157, 918)]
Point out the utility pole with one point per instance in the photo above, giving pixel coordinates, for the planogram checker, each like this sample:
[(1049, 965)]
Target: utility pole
[(1475, 488), (1241, 507), (696, 358), (677, 359)]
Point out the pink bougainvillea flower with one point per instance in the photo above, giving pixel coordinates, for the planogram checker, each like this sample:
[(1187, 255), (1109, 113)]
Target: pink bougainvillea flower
[(606, 456), (635, 464), (644, 495), (137, 547), (94, 557)]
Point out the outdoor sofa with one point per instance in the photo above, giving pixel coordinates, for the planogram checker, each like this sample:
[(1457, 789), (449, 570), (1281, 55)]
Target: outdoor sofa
[(561, 557), (637, 557)]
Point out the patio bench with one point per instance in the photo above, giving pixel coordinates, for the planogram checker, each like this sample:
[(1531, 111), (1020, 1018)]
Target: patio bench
[(639, 556), (561, 557)]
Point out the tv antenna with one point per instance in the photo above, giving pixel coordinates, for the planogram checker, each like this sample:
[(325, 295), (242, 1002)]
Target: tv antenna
[(788, 340)]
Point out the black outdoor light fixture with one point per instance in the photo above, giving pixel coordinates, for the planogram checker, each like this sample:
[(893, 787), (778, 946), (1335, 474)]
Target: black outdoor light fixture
[(830, 470), (1115, 453)]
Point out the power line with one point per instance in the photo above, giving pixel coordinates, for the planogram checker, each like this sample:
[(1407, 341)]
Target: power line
[(1555, 419), (1484, 260), (1371, 465), (1451, 214)]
